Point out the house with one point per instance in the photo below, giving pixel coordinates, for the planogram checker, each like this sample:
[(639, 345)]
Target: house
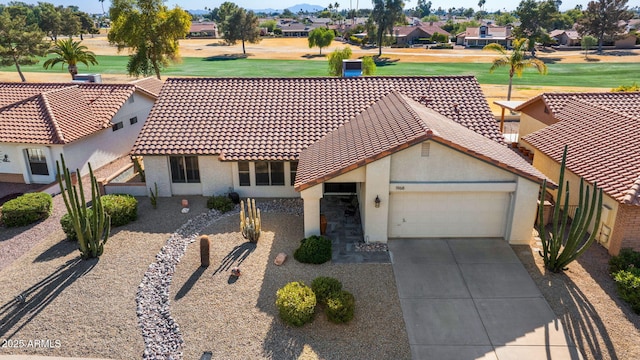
[(485, 35), (423, 155), (601, 131), (295, 29), (207, 30), (420, 34), (85, 122), (566, 37)]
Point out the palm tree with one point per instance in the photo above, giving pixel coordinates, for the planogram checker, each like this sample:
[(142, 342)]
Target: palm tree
[(515, 61), (71, 53)]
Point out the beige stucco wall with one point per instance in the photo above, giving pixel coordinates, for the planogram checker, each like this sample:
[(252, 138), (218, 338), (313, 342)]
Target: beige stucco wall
[(528, 125), (377, 186), (311, 202), (156, 170), (551, 168)]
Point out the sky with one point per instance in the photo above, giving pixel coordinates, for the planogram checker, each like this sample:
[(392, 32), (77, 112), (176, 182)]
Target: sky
[(94, 6)]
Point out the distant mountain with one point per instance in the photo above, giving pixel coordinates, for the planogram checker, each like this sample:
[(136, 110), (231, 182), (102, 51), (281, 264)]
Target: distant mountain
[(198, 12), (305, 7)]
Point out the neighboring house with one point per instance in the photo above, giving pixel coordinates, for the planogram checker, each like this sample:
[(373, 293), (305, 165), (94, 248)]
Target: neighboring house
[(428, 148), (566, 37), (485, 35), (601, 130), (420, 34), (203, 30), (294, 29), (87, 122)]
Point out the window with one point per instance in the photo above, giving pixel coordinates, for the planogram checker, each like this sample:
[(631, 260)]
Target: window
[(133, 120), (184, 169), (243, 173), (294, 171), (37, 162), (269, 173), (117, 126)]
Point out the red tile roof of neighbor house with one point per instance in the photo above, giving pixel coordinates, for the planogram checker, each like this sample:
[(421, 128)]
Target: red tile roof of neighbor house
[(150, 85), (35, 113), (621, 102), (276, 118), (603, 146), (394, 123), (425, 27)]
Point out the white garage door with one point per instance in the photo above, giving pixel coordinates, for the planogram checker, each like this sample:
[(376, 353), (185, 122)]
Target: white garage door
[(448, 214)]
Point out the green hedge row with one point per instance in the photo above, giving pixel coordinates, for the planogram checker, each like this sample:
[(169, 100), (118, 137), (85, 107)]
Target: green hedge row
[(625, 269), (313, 250), (27, 209), (122, 208)]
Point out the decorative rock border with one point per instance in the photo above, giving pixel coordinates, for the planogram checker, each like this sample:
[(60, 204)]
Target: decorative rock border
[(161, 333)]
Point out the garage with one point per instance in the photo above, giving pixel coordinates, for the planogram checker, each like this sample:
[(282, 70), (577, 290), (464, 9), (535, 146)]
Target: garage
[(448, 214)]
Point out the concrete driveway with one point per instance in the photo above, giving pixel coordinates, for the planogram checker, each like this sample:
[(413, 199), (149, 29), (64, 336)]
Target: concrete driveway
[(473, 299)]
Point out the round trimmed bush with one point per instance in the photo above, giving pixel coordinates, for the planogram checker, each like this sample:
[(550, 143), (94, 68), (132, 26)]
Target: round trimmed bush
[(122, 208), (340, 307), (67, 226), (324, 287), (313, 250), (221, 203), (296, 303), (26, 209)]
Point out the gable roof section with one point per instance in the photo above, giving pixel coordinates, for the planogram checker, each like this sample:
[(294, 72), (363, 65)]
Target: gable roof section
[(57, 113), (149, 85), (621, 102), (603, 147), (394, 123), (276, 118)]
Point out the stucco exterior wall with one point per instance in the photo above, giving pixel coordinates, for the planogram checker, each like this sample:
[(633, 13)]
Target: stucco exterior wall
[(551, 168), (156, 170), (376, 219), (528, 125), (311, 202), (523, 209), (215, 175), (442, 164)]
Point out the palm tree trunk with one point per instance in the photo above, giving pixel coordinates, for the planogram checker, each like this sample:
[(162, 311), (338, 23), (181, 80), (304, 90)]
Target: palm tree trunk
[(243, 50), (73, 70), (509, 91)]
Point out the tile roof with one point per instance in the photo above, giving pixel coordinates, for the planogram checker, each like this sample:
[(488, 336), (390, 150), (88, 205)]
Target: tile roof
[(394, 123), (501, 32), (425, 27), (276, 118), (603, 146), (57, 113), (149, 85), (621, 102)]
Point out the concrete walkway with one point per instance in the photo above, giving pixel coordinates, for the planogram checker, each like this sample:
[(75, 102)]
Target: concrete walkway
[(473, 299)]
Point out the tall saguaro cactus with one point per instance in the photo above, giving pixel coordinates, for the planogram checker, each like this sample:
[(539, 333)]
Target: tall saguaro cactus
[(92, 228), (251, 224), (563, 245)]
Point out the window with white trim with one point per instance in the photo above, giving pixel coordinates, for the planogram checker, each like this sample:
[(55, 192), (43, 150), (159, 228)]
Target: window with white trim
[(184, 169), (269, 173), (243, 173), (37, 162)]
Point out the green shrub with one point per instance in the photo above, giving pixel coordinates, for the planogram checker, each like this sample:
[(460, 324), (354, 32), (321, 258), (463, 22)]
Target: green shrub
[(122, 208), (628, 284), (324, 287), (625, 259), (340, 307), (67, 226), (27, 209), (296, 303), (221, 203), (313, 250)]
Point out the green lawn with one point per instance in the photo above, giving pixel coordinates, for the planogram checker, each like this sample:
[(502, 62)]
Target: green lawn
[(582, 75)]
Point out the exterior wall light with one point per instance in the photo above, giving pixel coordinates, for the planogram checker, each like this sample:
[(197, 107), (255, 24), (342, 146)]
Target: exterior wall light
[(377, 201)]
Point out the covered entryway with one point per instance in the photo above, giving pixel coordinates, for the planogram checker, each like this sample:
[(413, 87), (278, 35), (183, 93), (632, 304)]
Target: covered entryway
[(448, 214)]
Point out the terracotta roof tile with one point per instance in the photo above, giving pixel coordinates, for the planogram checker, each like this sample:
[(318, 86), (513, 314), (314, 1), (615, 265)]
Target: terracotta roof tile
[(150, 85), (57, 113), (394, 123), (602, 143), (622, 102), (276, 118)]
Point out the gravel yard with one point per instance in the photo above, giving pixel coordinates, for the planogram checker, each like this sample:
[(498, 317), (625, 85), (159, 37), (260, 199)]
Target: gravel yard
[(584, 297)]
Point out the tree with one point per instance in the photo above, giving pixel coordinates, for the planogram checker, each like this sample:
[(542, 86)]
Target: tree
[(70, 24), (242, 25), (20, 44), (515, 61), (604, 18), (368, 66), (563, 245), (535, 19), (49, 19), (587, 43), (439, 38), (71, 53), (335, 60), (150, 31), (269, 25), (320, 37), (102, 4), (87, 26), (225, 11), (481, 4), (386, 13)]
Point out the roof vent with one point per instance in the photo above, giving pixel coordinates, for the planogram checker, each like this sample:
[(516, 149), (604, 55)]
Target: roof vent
[(351, 68), (88, 78)]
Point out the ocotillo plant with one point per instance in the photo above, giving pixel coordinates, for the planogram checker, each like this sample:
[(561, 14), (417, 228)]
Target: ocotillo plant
[(251, 224), (561, 246), (92, 228)]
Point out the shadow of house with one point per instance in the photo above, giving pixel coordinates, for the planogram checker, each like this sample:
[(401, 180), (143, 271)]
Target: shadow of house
[(15, 314)]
